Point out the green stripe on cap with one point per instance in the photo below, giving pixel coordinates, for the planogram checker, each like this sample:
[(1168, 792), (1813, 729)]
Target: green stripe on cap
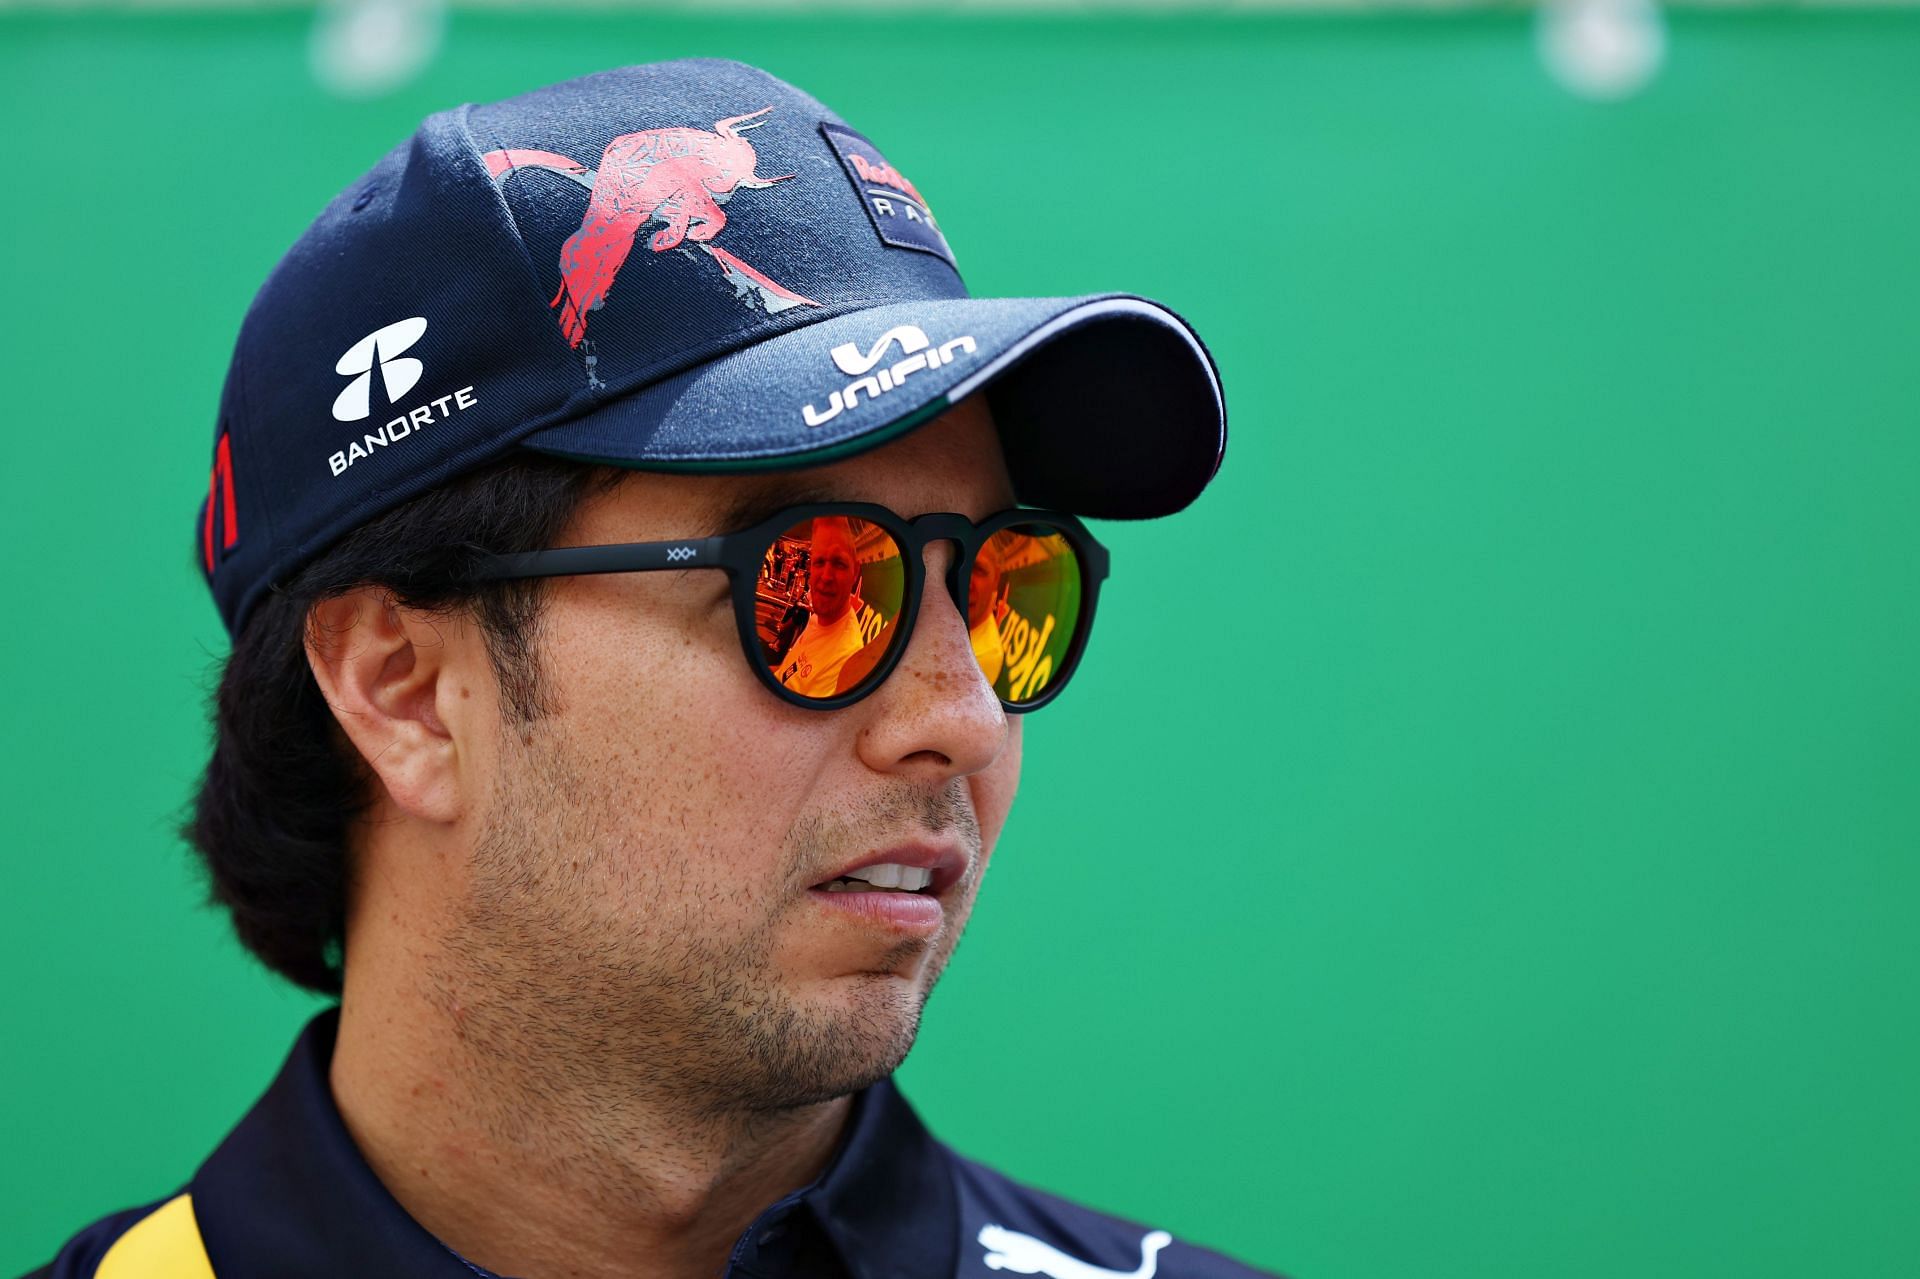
[(773, 462)]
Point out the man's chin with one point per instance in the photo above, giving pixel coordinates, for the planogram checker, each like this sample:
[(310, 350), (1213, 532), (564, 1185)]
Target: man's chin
[(876, 1015), (844, 1038), (882, 1005)]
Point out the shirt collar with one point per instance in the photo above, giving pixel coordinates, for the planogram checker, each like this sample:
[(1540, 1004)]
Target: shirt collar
[(888, 1201), (289, 1194)]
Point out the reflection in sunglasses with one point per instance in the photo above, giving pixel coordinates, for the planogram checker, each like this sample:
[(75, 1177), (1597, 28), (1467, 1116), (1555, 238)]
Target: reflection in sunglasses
[(854, 583), (1031, 589), (831, 589)]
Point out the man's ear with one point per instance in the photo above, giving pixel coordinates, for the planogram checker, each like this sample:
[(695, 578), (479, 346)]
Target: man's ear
[(387, 673)]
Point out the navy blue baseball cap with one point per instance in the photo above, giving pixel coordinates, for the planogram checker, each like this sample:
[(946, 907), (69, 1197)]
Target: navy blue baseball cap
[(682, 266)]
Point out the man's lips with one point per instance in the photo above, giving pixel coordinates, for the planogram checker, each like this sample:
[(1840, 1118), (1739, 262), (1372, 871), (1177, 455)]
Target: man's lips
[(946, 862), (894, 909), (898, 909)]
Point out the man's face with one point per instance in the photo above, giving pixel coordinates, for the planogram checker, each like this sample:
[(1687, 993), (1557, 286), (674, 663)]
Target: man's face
[(643, 885), (832, 570), (983, 583)]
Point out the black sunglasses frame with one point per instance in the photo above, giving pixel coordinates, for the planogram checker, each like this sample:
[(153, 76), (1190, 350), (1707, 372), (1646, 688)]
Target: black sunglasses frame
[(741, 553)]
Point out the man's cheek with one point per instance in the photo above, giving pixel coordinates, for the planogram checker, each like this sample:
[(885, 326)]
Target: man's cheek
[(993, 788)]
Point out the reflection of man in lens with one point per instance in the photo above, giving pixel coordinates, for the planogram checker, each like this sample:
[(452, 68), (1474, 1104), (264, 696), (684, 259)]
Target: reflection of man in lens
[(986, 605), (812, 666)]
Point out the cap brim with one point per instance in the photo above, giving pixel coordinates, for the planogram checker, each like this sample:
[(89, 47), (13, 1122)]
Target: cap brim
[(1107, 406)]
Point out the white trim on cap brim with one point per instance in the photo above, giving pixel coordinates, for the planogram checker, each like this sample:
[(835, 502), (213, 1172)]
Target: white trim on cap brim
[(1091, 311)]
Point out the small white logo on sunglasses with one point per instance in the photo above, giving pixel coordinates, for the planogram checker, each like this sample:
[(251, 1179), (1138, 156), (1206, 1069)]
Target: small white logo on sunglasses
[(916, 353)]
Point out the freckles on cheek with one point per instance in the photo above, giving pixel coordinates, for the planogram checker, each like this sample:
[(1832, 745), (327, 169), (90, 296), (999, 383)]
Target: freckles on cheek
[(759, 769), (711, 756)]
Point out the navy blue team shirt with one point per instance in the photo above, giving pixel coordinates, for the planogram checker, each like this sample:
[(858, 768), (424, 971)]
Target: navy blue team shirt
[(287, 1195)]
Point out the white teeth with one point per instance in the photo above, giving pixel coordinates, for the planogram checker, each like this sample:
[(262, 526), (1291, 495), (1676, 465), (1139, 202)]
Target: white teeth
[(893, 875)]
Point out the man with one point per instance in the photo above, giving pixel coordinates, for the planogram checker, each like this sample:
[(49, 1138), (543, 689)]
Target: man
[(832, 634), (986, 606), (629, 935)]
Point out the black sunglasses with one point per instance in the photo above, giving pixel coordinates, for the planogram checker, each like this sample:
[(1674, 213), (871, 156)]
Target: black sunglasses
[(826, 593)]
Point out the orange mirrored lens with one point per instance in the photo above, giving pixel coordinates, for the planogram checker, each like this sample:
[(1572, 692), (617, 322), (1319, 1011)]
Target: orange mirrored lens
[(1023, 609), (827, 603)]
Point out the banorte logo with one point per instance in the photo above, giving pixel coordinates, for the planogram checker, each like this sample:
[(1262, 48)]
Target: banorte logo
[(678, 176), (398, 374)]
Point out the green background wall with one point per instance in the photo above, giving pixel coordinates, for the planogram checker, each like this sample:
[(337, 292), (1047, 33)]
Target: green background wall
[(1482, 842)]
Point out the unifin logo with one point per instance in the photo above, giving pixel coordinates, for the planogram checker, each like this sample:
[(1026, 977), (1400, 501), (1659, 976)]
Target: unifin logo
[(399, 373), (916, 352), (853, 364)]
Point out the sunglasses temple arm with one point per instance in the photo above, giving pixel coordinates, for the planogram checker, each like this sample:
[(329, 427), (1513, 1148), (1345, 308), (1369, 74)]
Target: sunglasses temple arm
[(631, 557)]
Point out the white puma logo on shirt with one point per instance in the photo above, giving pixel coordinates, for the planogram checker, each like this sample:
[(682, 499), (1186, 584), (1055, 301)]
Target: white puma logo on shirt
[(1025, 1255)]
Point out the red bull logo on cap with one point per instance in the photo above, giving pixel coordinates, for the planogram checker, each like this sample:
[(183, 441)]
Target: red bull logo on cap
[(679, 177), (879, 171), (896, 208)]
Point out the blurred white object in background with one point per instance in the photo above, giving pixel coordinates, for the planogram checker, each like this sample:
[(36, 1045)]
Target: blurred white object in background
[(1605, 49), (364, 48)]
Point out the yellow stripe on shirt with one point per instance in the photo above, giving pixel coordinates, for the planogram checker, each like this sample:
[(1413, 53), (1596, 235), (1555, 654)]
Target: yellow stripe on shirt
[(164, 1244)]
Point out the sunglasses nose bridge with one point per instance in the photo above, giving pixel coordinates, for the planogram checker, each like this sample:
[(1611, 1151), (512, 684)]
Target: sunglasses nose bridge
[(944, 526), (947, 526)]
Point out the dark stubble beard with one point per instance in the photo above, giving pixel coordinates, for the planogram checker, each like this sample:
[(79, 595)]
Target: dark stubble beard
[(581, 987)]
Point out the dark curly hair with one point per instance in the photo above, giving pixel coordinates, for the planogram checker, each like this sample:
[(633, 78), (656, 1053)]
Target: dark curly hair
[(283, 788)]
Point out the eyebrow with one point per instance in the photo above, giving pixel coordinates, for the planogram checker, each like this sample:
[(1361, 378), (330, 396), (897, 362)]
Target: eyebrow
[(747, 509)]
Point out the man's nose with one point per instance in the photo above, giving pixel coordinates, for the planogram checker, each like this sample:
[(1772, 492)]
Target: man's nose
[(935, 716)]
